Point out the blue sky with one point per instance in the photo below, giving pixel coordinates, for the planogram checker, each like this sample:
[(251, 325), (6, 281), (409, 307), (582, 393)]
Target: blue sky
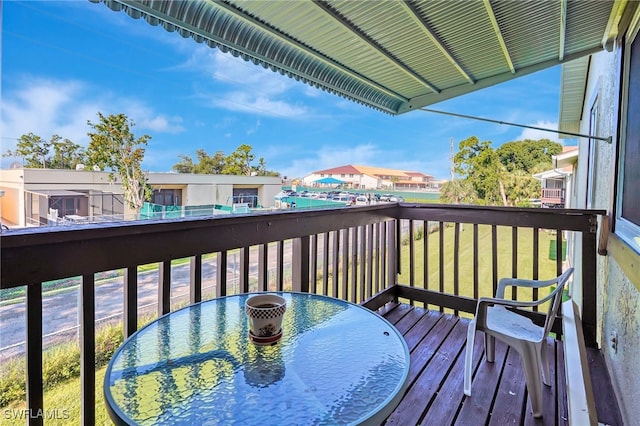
[(62, 62)]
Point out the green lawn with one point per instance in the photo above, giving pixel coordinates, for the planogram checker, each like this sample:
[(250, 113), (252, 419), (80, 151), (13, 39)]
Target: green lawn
[(62, 405), (485, 269)]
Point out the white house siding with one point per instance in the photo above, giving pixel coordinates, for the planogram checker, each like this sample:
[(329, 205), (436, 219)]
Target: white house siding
[(618, 298)]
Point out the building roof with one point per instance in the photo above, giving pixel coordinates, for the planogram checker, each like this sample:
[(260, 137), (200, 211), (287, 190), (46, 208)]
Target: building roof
[(57, 193), (394, 56), (370, 171)]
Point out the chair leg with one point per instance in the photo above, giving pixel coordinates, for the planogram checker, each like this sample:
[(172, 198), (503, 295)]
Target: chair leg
[(468, 358), (490, 347), (530, 363), (544, 363)]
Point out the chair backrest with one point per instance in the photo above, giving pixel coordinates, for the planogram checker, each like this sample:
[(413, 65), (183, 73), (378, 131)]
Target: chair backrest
[(556, 299)]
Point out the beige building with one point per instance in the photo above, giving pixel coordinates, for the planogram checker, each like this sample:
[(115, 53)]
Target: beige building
[(34, 197), (365, 177)]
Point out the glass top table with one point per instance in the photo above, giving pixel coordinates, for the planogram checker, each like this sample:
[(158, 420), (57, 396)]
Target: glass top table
[(337, 363)]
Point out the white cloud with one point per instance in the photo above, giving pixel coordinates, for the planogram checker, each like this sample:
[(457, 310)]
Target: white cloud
[(534, 134), (163, 124), (246, 87), (47, 107), (262, 105), (253, 129)]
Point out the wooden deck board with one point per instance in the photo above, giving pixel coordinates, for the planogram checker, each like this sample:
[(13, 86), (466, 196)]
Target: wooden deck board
[(435, 396), (435, 392)]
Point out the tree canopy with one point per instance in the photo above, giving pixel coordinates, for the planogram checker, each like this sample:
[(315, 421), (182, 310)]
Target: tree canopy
[(503, 176), (114, 147), (240, 163), (39, 153)]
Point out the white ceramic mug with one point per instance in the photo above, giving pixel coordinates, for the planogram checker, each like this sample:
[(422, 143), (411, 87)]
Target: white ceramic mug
[(265, 312)]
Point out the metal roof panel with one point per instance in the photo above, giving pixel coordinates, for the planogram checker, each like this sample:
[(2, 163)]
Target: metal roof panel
[(392, 55)]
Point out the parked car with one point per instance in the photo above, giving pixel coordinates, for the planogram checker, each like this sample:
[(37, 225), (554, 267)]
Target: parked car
[(396, 199), (362, 201)]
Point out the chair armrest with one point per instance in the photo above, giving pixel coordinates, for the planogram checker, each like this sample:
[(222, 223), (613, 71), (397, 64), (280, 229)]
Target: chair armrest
[(517, 282), (485, 302)]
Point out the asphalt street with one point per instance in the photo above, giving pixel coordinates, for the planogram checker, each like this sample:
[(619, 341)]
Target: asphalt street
[(60, 311)]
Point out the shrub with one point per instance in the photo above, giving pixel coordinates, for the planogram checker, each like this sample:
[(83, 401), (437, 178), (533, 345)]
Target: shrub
[(59, 364)]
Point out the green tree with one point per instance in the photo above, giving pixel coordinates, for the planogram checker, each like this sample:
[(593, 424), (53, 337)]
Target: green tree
[(114, 147), (34, 151), (239, 162), (503, 176), (458, 191), (206, 164), (527, 154), (478, 163), (66, 154), (185, 165)]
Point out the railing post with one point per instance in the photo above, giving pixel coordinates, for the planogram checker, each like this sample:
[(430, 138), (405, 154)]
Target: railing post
[(589, 286), (263, 267), (130, 320), (34, 353), (195, 279), (164, 288), (88, 351), (244, 270), (391, 253), (221, 271), (300, 264)]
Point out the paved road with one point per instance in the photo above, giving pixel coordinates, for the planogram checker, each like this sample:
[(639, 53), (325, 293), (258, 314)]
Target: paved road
[(60, 311)]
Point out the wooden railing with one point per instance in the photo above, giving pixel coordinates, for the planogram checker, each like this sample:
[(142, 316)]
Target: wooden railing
[(350, 253), (553, 196)]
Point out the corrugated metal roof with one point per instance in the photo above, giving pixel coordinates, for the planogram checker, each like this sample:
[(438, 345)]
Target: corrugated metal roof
[(392, 55), (573, 86)]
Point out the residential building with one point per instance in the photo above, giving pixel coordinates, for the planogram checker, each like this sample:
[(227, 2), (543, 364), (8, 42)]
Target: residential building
[(367, 177), (34, 197), (558, 181), (600, 98)]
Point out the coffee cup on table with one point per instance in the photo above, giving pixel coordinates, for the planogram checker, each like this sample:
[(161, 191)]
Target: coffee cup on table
[(265, 313)]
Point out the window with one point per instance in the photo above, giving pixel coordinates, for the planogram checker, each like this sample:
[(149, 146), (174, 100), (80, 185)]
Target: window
[(627, 224), (592, 154), (167, 197)]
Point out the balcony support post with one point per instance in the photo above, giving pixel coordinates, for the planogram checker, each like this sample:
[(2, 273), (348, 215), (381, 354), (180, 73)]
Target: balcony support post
[(300, 264), (589, 287)]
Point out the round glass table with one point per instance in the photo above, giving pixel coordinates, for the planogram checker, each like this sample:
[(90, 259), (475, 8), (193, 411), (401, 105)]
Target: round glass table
[(337, 363)]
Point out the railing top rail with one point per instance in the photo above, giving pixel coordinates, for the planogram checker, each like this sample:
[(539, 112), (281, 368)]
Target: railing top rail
[(34, 255), (86, 249), (562, 219)]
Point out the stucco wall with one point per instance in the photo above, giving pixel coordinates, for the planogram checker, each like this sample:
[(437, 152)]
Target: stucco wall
[(618, 297)]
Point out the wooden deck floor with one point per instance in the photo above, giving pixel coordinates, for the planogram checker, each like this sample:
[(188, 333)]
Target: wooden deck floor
[(435, 393)]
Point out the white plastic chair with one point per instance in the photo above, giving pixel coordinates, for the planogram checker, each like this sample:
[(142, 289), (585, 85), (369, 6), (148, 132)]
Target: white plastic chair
[(517, 331)]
